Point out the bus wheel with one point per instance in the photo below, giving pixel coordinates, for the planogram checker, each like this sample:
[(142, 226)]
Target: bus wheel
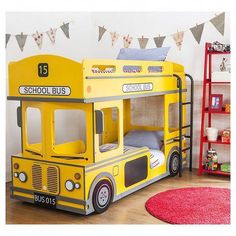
[(102, 196), (174, 163)]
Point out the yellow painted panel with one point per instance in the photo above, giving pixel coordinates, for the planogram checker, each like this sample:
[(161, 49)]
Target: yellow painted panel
[(62, 72), (69, 79)]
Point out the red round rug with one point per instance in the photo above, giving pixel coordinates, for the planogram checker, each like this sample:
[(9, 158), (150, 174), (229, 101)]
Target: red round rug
[(198, 205)]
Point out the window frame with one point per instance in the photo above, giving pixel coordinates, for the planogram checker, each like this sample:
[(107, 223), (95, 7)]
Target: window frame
[(117, 113), (60, 154), (30, 148)]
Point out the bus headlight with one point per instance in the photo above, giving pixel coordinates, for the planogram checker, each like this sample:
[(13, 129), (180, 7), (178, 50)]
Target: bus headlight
[(70, 185), (16, 174), (77, 185), (22, 177)]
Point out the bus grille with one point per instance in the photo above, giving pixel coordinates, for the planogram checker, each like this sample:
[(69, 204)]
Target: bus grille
[(52, 179), (45, 178), (37, 176)]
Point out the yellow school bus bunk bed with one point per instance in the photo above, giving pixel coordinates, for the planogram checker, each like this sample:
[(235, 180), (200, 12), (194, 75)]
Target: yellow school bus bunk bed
[(86, 175)]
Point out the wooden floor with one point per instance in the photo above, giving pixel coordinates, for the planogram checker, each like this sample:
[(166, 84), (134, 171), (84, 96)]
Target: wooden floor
[(129, 210)]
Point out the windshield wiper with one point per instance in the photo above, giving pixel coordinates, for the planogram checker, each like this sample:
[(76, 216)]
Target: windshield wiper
[(35, 153)]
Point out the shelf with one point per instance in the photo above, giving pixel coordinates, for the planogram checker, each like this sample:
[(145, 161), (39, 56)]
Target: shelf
[(218, 141), (211, 80), (217, 112), (217, 53), (221, 82), (216, 172)]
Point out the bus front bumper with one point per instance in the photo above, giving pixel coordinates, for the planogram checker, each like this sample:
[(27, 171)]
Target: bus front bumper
[(62, 203)]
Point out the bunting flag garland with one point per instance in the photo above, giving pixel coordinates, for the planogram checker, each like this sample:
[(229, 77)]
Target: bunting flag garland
[(219, 22), (102, 30), (65, 29), (127, 41), (178, 38), (21, 39), (7, 39), (52, 35), (159, 41), (197, 32), (38, 38), (143, 42), (114, 37)]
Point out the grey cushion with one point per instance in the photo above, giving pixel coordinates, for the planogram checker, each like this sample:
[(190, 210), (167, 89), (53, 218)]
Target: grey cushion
[(140, 138), (151, 54)]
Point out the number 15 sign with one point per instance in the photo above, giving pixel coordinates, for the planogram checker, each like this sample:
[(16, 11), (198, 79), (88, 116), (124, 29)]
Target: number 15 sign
[(43, 69)]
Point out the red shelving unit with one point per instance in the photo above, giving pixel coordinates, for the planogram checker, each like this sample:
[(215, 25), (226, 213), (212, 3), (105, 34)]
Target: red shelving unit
[(218, 141), (205, 110), (217, 112), (215, 172), (209, 82)]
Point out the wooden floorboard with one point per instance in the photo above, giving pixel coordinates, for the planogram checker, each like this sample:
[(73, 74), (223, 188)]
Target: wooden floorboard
[(129, 210)]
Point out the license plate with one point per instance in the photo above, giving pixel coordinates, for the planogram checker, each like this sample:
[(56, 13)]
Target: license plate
[(45, 200)]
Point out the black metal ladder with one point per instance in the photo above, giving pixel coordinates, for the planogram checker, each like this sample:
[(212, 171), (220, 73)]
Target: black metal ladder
[(181, 127)]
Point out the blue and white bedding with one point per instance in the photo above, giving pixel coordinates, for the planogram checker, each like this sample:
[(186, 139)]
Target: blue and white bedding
[(157, 158)]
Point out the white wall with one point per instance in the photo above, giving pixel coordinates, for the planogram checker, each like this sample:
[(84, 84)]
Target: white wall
[(83, 44)]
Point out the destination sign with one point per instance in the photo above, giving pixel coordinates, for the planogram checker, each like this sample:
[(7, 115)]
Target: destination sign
[(137, 87), (45, 90)]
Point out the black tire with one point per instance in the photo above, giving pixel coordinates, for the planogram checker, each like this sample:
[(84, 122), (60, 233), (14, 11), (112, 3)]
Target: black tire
[(102, 196), (174, 163)]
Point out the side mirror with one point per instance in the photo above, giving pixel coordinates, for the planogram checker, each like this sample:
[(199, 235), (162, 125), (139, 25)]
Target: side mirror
[(19, 116), (99, 122)]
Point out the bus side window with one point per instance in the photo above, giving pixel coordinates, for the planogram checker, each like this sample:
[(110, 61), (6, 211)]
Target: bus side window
[(173, 117), (135, 171), (108, 140), (33, 126)]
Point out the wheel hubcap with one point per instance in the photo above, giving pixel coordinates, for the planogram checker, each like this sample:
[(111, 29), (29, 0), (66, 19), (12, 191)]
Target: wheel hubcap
[(103, 196), (175, 164)]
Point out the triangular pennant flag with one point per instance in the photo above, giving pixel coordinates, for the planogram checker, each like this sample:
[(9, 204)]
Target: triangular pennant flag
[(114, 37), (143, 42), (101, 32), (127, 41), (7, 39), (197, 32), (52, 35), (65, 29), (21, 39), (178, 38), (159, 41), (219, 22), (38, 38)]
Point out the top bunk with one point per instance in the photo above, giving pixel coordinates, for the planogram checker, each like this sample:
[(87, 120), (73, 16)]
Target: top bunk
[(55, 78)]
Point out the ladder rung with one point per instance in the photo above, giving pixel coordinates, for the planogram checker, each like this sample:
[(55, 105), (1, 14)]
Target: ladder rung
[(184, 162), (177, 139), (185, 149), (186, 126), (186, 103)]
